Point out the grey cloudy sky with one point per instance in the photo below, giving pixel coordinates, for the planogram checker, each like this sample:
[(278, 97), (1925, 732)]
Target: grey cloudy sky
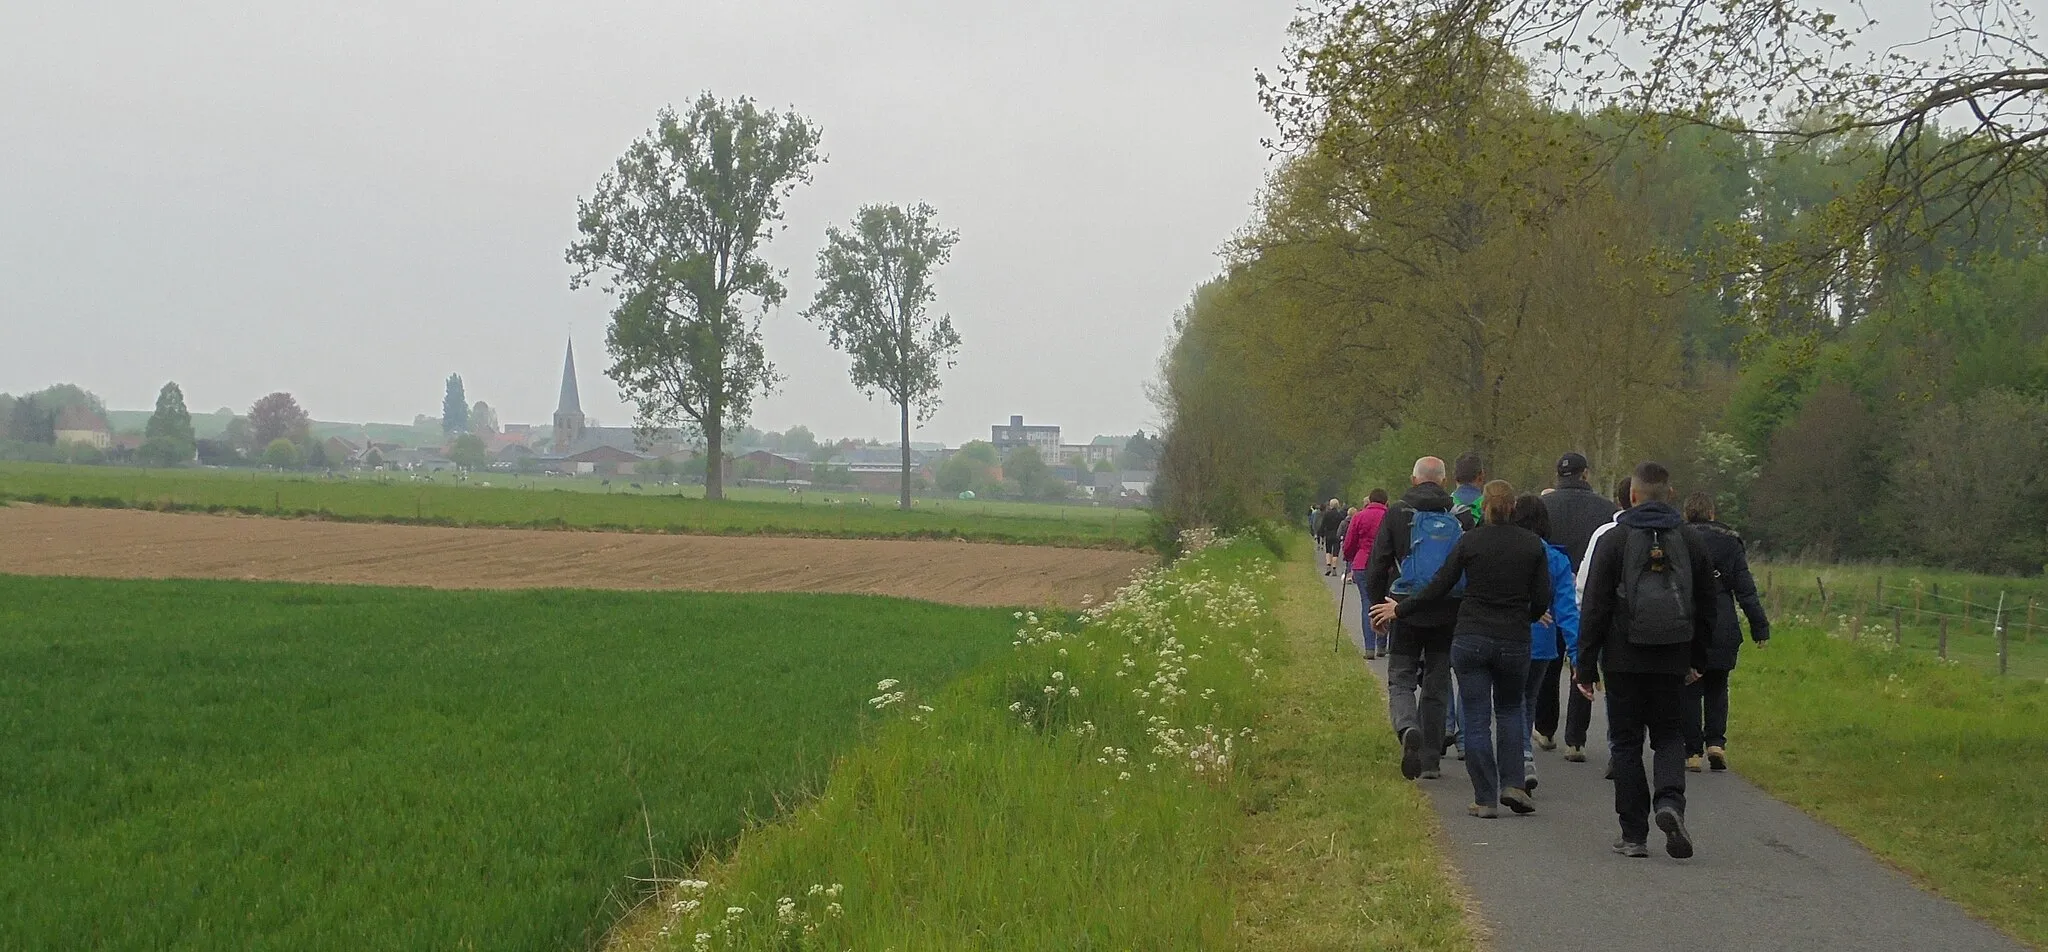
[(350, 200)]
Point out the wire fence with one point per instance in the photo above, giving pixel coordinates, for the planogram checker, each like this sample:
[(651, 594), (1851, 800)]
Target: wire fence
[(1913, 614)]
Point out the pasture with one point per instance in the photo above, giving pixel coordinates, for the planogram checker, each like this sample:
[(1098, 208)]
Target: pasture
[(450, 503), (245, 766), (1924, 603)]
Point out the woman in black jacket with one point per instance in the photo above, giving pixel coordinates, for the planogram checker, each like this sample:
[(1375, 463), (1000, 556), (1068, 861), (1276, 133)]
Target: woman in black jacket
[(1706, 700)]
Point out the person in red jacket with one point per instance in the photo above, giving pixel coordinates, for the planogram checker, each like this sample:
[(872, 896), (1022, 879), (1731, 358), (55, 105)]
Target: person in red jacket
[(1357, 553)]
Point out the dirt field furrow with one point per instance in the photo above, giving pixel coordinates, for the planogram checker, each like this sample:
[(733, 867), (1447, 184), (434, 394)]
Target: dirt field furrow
[(118, 543)]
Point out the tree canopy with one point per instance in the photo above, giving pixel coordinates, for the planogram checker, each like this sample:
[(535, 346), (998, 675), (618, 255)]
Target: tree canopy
[(168, 438), (454, 408)]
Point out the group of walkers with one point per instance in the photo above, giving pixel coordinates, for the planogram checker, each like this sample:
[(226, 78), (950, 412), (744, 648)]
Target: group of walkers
[(1484, 602)]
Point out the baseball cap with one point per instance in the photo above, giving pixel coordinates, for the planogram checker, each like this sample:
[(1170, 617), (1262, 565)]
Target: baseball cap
[(1571, 464)]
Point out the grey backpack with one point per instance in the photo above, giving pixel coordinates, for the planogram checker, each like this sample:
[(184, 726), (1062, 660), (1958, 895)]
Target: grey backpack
[(1656, 587)]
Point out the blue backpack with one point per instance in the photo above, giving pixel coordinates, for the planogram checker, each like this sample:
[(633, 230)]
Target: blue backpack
[(1431, 535)]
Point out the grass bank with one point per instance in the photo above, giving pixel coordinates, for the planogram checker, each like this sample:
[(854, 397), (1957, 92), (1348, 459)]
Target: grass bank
[(1924, 603), (242, 766), (472, 504), (1182, 768), (1935, 766)]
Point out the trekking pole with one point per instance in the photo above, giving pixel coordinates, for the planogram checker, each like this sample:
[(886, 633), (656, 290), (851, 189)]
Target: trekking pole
[(1343, 589)]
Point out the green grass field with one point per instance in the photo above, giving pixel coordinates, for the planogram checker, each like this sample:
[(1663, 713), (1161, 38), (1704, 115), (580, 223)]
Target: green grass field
[(1922, 600), (565, 503), (239, 766), (1936, 767)]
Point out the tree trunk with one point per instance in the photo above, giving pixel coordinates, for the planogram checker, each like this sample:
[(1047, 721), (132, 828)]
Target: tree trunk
[(904, 504), (714, 452)]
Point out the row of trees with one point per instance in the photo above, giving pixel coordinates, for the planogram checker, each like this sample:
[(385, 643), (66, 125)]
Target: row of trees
[(1447, 260), (675, 231)]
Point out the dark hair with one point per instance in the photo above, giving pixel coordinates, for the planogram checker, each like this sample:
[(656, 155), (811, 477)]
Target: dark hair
[(1377, 495), (1469, 469), (1699, 507), (1653, 482), (1497, 501), (1533, 514), (1621, 490)]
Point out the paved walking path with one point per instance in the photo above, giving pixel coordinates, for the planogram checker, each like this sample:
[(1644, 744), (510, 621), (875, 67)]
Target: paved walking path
[(1766, 877)]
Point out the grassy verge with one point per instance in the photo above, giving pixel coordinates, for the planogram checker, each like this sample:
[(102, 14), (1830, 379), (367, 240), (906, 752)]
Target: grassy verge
[(225, 765), (1923, 601), (1936, 767), (472, 504), (1177, 770)]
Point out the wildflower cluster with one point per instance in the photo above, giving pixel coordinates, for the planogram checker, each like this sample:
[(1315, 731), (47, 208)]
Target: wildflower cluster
[(795, 922)]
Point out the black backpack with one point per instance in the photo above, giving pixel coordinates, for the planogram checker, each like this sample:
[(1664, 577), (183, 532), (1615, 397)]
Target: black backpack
[(1656, 587)]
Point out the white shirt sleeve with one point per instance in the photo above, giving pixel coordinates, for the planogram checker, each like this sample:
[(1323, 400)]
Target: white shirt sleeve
[(1579, 582)]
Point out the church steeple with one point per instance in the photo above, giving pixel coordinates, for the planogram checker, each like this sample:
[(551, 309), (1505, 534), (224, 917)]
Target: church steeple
[(569, 412)]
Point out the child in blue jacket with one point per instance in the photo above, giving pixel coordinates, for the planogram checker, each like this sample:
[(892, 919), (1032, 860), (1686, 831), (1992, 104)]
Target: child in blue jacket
[(1561, 624)]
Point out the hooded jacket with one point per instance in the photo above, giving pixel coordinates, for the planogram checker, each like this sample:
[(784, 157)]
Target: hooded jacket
[(1358, 539), (1735, 586), (1507, 583), (1575, 512), (1603, 621), (1564, 610), (1390, 546)]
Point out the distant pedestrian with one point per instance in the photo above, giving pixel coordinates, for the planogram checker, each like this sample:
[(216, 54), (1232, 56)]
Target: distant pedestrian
[(1330, 532), (1505, 572), (1706, 700), (1415, 537), (1554, 638), (1646, 622), (1470, 474), (1576, 512), (1357, 554)]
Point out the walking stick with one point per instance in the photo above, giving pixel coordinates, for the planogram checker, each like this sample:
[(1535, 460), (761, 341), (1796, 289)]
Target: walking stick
[(1343, 589)]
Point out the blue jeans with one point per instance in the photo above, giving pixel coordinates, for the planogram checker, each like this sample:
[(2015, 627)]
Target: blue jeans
[(1374, 641), (1493, 678)]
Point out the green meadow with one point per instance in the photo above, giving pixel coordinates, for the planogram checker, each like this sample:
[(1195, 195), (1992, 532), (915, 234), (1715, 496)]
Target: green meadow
[(238, 766), (531, 502)]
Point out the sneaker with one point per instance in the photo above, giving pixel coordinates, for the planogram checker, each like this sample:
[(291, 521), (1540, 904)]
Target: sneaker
[(1483, 812), (1461, 752), (1677, 841), (1717, 758), (1529, 777), (1546, 742), (1693, 763), (1632, 850), (1609, 775), (1518, 800), (1432, 773), (1576, 755), (1411, 753)]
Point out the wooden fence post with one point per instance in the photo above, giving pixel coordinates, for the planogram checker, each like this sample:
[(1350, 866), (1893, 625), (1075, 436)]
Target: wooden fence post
[(1878, 586), (1941, 647), (1897, 638), (2030, 618), (1856, 627), (1823, 595), (1998, 628), (1917, 617), (1966, 607)]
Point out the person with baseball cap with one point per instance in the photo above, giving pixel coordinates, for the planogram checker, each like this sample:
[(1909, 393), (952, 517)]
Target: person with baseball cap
[(1576, 512)]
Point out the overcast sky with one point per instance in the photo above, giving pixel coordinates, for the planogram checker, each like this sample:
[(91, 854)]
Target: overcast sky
[(350, 201)]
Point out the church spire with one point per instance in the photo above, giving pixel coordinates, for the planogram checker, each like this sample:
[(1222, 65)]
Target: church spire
[(570, 402)]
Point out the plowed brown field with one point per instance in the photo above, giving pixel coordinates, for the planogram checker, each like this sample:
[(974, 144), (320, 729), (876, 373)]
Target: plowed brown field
[(121, 543)]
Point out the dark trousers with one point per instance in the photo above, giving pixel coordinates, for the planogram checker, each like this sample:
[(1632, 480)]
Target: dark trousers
[(1640, 704), (1492, 676), (1706, 712), (1418, 689), (1543, 717), (1578, 719)]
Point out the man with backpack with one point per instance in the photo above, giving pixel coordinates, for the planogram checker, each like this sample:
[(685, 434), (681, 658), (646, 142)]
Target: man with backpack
[(1415, 537), (1646, 623), (1576, 511)]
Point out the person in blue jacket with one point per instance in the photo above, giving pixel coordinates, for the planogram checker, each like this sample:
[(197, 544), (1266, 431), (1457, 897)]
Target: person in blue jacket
[(1533, 514)]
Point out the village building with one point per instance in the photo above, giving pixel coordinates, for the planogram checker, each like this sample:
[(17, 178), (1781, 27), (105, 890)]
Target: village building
[(80, 425)]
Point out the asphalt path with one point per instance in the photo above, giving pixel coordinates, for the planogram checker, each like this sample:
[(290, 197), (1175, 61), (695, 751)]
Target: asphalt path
[(1765, 877)]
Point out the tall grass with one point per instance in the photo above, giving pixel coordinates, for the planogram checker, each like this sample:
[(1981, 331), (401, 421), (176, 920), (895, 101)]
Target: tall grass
[(1923, 603), (1935, 766), (449, 504), (240, 766)]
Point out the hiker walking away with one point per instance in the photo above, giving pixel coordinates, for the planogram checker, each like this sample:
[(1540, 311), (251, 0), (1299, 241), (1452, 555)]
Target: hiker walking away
[(1330, 532), (1415, 538), (1506, 574), (1645, 624), (1554, 638), (1706, 700), (1357, 554), (1578, 716), (1469, 473), (1576, 512)]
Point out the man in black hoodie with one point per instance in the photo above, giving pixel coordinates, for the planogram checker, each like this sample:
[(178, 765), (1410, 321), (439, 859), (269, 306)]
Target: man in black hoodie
[(1575, 511), (1420, 647), (1624, 635)]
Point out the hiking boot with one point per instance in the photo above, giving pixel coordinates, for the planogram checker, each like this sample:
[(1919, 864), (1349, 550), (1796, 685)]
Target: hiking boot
[(1411, 753), (1677, 841), (1693, 763), (1518, 800), (1530, 784), (1576, 755), (1632, 849), (1483, 812), (1546, 742), (1609, 775), (1717, 758)]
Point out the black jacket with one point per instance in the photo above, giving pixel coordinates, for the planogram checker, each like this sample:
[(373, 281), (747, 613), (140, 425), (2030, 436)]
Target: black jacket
[(1507, 583), (1390, 546), (1330, 525), (1603, 628), (1736, 586), (1575, 511)]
